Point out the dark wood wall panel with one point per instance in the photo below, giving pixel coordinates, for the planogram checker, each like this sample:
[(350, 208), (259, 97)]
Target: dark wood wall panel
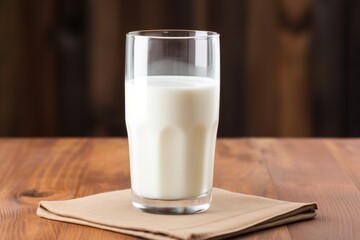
[(262, 97), (72, 68), (105, 61), (229, 19), (329, 61), (27, 70), (293, 76), (288, 68), (352, 122), (11, 63), (277, 68), (39, 90)]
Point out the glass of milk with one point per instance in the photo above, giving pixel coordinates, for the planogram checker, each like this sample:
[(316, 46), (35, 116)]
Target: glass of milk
[(172, 91)]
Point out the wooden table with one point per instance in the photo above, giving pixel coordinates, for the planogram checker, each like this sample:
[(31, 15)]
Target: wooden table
[(326, 171)]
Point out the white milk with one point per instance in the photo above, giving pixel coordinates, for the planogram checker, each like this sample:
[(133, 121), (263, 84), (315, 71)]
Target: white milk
[(172, 124)]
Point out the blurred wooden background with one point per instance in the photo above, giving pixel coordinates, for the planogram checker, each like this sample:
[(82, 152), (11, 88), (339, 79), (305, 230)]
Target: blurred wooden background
[(289, 68)]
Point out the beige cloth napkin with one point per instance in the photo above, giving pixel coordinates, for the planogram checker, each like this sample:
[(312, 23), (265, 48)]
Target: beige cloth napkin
[(230, 214)]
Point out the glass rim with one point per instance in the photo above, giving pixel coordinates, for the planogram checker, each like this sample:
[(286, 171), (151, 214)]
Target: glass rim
[(173, 34)]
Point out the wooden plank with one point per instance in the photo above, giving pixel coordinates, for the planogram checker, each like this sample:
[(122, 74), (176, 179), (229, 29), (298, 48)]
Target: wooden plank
[(11, 63), (107, 169), (230, 22), (72, 88), (305, 171), (261, 56), (292, 68), (74, 168), (352, 64), (200, 14), (106, 79), (152, 13), (177, 14), (46, 169), (12, 207), (328, 67), (38, 90), (278, 41), (27, 75), (10, 153), (347, 153), (325, 171), (240, 168)]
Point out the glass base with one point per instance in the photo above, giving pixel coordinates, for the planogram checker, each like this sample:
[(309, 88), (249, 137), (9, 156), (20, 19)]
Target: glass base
[(172, 207)]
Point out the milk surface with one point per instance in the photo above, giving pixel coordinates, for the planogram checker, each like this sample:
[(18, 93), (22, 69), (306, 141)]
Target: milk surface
[(172, 124)]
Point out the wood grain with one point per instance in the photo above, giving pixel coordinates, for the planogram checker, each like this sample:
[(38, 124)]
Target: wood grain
[(329, 66), (306, 170), (322, 170), (353, 60), (27, 74), (278, 41), (293, 63), (11, 59), (292, 75), (261, 57), (106, 83), (240, 156)]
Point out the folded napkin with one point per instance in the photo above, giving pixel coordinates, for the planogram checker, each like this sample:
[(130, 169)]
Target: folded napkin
[(230, 214)]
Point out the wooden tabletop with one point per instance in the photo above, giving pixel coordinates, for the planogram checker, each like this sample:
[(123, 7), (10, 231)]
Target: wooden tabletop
[(324, 170)]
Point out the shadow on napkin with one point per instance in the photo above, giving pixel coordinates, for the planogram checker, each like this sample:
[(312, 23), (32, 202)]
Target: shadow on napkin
[(230, 214)]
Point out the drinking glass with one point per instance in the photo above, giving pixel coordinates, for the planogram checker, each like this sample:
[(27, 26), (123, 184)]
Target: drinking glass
[(172, 94)]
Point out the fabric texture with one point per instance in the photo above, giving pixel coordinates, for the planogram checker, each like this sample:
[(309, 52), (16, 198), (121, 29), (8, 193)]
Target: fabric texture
[(230, 214)]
